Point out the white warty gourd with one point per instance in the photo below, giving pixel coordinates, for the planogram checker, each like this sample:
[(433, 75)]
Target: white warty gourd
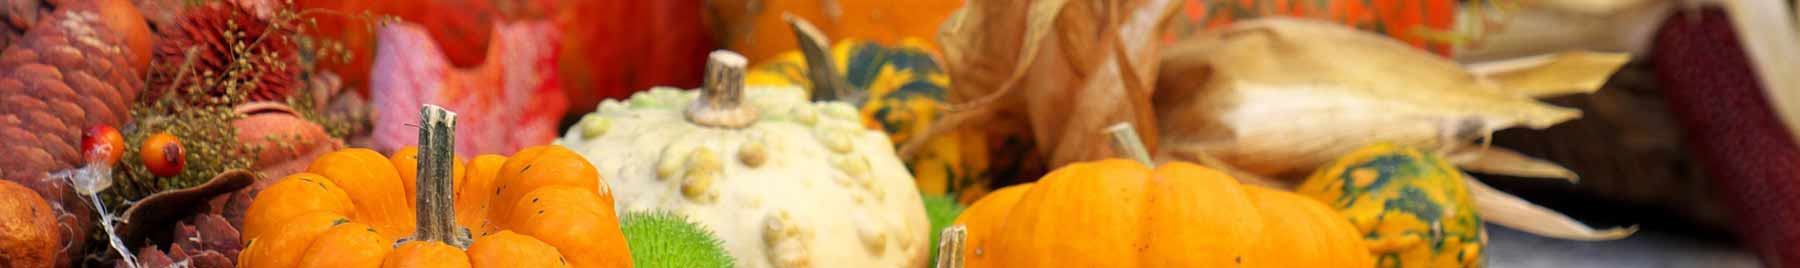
[(783, 181)]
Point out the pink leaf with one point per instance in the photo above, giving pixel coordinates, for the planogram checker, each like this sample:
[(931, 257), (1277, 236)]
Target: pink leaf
[(509, 102)]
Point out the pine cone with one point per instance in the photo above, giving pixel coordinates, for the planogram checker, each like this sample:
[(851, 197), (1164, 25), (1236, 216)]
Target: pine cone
[(203, 241), (196, 224), (211, 32), (66, 74), (18, 16)]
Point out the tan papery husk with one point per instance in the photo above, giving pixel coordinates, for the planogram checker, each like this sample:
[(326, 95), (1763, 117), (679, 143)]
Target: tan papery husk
[(1058, 70), (1279, 97), (1274, 99)]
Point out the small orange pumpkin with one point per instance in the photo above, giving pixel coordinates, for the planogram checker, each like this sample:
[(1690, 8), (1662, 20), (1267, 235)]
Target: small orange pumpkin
[(1123, 213), (351, 206)]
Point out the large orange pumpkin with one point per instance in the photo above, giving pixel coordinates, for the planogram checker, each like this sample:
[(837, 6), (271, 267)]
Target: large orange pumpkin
[(351, 206), (1122, 213)]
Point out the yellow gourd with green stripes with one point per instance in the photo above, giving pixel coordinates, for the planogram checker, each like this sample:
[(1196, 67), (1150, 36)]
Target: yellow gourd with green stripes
[(905, 89), (1412, 207)]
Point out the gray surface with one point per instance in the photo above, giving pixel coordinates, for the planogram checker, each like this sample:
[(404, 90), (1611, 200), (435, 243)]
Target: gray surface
[(1508, 248)]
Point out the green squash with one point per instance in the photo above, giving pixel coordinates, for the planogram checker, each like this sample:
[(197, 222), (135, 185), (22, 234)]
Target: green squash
[(901, 90), (1413, 207)]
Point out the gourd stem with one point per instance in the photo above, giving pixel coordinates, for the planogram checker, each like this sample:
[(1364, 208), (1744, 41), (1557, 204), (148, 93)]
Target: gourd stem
[(722, 94), (820, 69), (950, 246), (434, 203), (1125, 140)]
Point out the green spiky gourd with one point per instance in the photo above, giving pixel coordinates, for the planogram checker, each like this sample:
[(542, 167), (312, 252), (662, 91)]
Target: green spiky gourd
[(1412, 207), (660, 239)]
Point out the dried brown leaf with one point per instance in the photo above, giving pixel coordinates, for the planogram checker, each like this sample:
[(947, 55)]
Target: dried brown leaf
[(1058, 70)]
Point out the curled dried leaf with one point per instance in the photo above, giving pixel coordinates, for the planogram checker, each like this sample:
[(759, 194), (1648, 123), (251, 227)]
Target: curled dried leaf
[(157, 212), (1058, 71)]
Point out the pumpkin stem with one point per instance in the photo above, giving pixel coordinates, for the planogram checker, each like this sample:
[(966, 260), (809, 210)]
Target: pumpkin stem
[(435, 204), (820, 68), (950, 246), (722, 95), (1125, 139)]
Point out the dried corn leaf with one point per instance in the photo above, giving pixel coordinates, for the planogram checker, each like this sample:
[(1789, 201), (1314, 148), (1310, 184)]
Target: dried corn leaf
[(1496, 160), (1552, 75), (1059, 71), (1507, 210), (1280, 97)]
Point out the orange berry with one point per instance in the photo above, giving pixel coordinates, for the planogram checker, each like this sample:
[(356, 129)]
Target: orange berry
[(102, 143), (163, 155)]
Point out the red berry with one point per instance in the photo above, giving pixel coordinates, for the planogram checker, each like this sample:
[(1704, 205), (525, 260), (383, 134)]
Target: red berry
[(163, 155), (102, 143)]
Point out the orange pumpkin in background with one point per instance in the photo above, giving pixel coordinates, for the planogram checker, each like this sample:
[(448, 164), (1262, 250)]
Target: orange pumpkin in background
[(612, 48), (1425, 24), (755, 28)]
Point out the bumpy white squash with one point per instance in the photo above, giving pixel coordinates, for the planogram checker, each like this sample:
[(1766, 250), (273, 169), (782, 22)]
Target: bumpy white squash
[(785, 182)]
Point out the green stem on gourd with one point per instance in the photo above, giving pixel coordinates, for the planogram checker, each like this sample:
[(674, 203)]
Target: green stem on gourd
[(435, 203), (1125, 140), (820, 69), (722, 94), (950, 246)]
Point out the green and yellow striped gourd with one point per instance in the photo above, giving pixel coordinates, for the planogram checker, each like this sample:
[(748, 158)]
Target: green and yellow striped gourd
[(903, 91), (1413, 207)]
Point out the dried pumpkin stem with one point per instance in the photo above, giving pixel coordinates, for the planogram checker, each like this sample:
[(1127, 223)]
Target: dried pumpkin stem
[(434, 203), (950, 246), (1125, 140), (722, 95), (820, 69)]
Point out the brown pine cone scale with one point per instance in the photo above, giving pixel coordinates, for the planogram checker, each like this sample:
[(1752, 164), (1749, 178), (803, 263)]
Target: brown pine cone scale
[(67, 73)]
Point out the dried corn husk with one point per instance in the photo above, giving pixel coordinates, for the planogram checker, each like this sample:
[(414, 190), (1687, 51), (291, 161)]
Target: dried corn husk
[(1059, 71), (1274, 99), (1769, 35)]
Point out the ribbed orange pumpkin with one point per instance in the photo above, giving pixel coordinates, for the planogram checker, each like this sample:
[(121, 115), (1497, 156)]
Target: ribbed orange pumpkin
[(1121, 213), (351, 206)]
